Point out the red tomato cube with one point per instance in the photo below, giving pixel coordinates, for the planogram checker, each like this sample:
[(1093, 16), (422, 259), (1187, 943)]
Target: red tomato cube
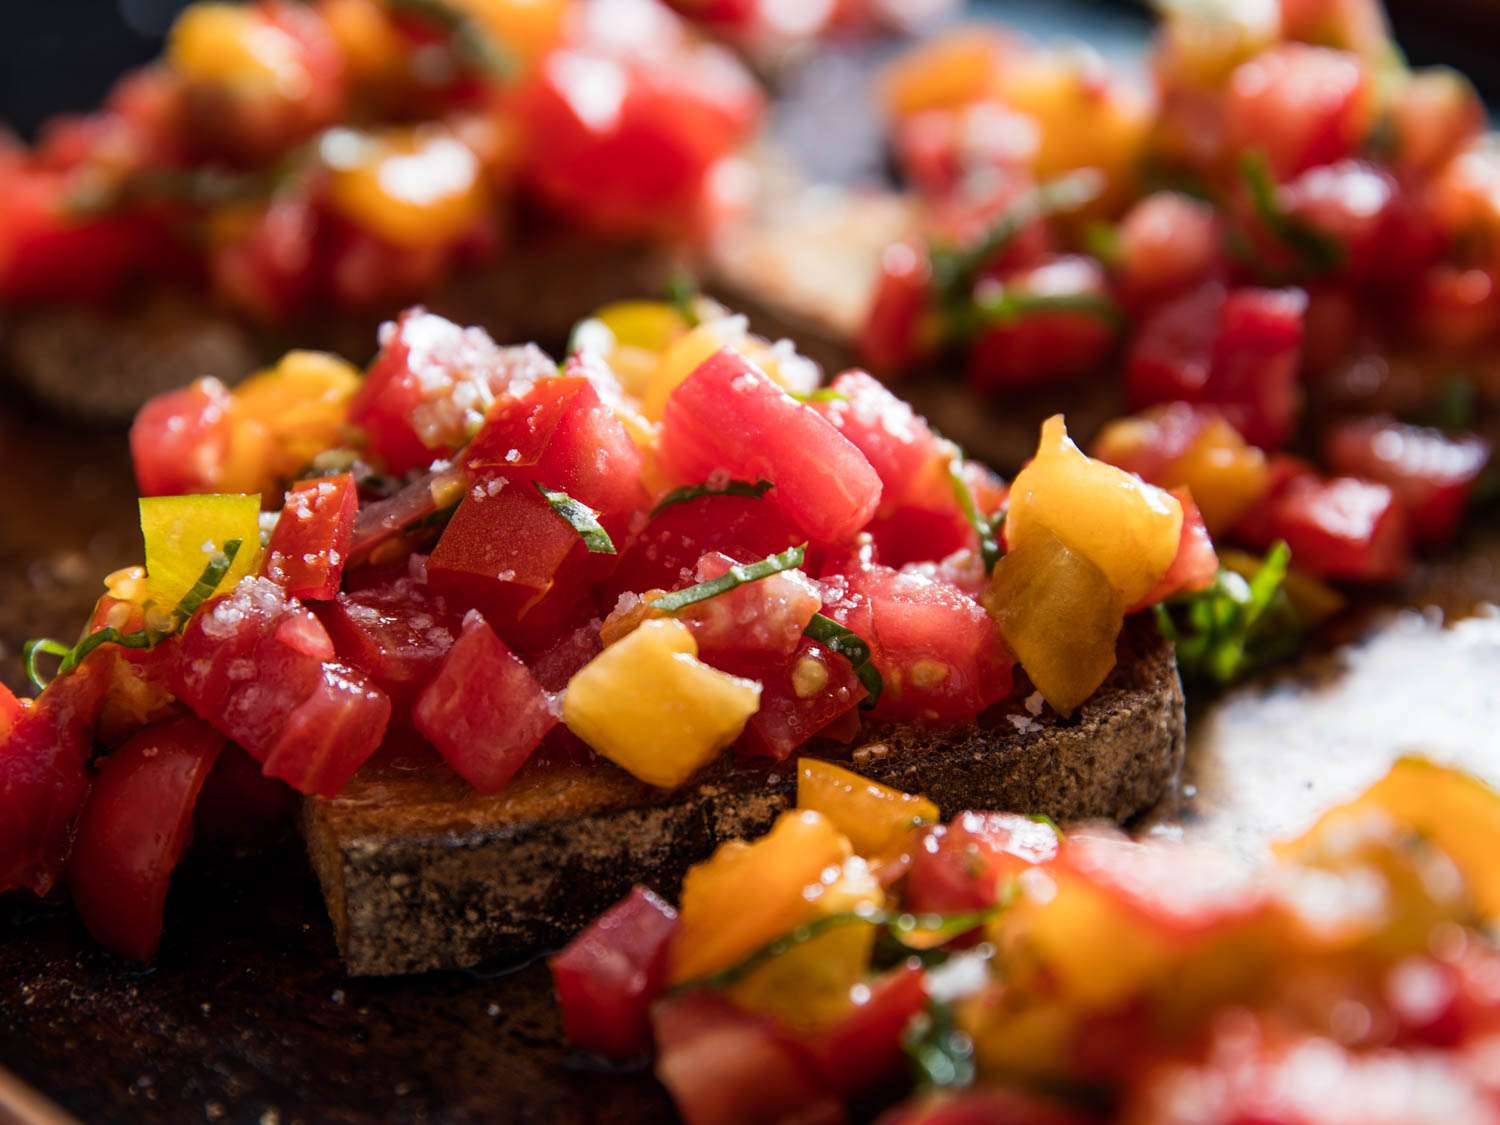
[(890, 338), (133, 830), (798, 700), (756, 621), (310, 545), (179, 439), (1300, 105), (726, 1066), (1196, 563), (1040, 345), (964, 865), (895, 439), (608, 976), (561, 434), (430, 386), (863, 1049), (1432, 473), (728, 417), (1340, 527), (938, 652), (394, 631), (1167, 241), (484, 712)]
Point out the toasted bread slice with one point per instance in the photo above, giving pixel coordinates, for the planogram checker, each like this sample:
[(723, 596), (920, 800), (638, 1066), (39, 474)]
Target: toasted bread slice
[(419, 872)]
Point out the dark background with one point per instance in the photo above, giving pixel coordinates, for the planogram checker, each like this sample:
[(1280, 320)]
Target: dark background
[(58, 55)]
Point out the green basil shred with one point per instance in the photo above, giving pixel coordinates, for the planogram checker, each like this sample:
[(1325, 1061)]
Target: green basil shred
[(852, 648), (986, 527), (469, 40), (581, 518), (682, 294), (71, 658), (752, 489), (1234, 626), (737, 575), (1319, 253), (942, 1056)]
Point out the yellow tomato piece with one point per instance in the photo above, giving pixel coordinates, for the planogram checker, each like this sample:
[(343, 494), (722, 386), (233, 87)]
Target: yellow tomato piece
[(1128, 529), (1453, 810), (183, 534), (648, 704), (1084, 120), (232, 44), (301, 403), (685, 355), (527, 28), (369, 44), (1224, 472), (875, 817), (651, 325), (413, 187), (1059, 614), (1033, 1042), (808, 986), (1200, 44), (747, 895), (946, 72)]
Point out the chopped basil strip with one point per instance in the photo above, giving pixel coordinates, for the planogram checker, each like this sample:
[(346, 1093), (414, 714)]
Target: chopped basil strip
[(1234, 626), (468, 38), (752, 489), (581, 518), (986, 527), (954, 271), (682, 294), (1008, 306), (200, 592), (852, 648), (737, 575), (942, 1056), (1102, 240), (1319, 252)]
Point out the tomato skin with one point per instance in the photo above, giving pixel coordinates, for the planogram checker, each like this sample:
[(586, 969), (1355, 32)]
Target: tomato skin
[(961, 866), (259, 667), (863, 1049), (1040, 347), (43, 779), (786, 718), (726, 1066), (895, 439), (240, 807), (1236, 349), (662, 556), (889, 340), (1432, 473), (179, 439), (1196, 562), (938, 652), (484, 711), (561, 434), (1340, 527), (728, 416), (1300, 105), (608, 976), (134, 828), (310, 545), (395, 632)]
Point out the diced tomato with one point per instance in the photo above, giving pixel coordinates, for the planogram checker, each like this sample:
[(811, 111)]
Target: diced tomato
[(664, 554), (1038, 345), (260, 668), (1300, 105), (726, 1066), (1254, 526), (640, 158), (1167, 241), (894, 438), (964, 865), (938, 652), (608, 976), (561, 434), (862, 1051), (394, 631), (268, 269), (992, 1105), (179, 439), (1341, 527), (729, 417), (431, 385), (1364, 211), (1238, 350), (1434, 115), (239, 806), (382, 522), (914, 534), (310, 545), (484, 712), (1456, 308), (757, 621), (10, 711), (43, 780), (133, 830), (1196, 563), (502, 551), (1432, 473), (814, 688), (890, 338), (554, 665)]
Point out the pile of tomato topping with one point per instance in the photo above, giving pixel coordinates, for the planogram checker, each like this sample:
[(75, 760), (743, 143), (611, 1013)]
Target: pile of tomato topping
[(678, 541), (1286, 248), (298, 159), (996, 969)]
